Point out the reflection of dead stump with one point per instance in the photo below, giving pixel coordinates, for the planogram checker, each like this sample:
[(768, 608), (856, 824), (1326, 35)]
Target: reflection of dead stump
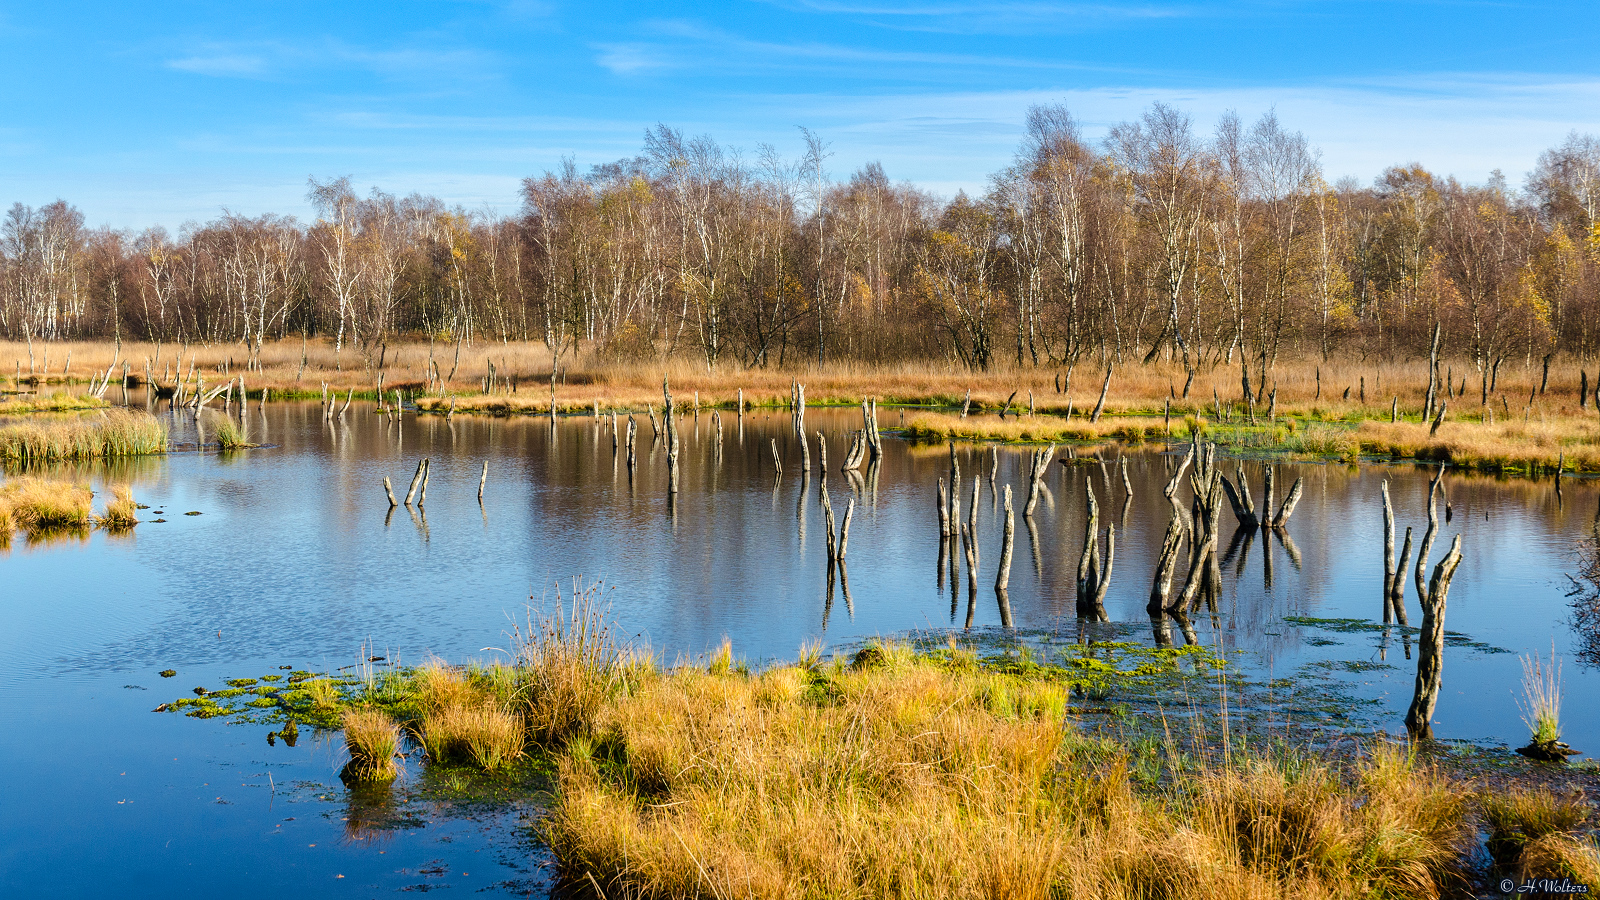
[(1244, 504), (1394, 579), (1094, 576)]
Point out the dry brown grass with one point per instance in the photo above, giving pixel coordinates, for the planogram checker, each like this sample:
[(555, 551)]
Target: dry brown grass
[(914, 779), (373, 740), (1531, 446), (56, 401), (569, 664), (1538, 834), (463, 723), (121, 511), (41, 505), (632, 383), (104, 435), (1039, 428)]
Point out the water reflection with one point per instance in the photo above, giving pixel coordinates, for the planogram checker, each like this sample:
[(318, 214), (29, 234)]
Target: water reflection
[(736, 552)]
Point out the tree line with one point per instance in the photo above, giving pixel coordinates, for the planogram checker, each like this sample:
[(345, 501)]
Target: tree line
[(1158, 242)]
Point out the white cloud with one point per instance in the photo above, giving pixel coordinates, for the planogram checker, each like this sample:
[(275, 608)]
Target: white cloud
[(222, 65)]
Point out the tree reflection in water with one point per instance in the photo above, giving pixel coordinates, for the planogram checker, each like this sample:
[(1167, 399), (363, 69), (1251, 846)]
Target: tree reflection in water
[(1585, 596)]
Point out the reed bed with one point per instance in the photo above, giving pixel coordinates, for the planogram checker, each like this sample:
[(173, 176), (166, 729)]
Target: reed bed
[(917, 774), (1037, 428), (917, 777), (1302, 383), (1539, 420), (39, 505), (1507, 446), (110, 434)]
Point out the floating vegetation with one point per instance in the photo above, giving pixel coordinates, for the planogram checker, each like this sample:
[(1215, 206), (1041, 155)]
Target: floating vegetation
[(110, 434)]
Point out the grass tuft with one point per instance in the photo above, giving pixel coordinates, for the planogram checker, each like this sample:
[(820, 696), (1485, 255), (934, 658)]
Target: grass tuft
[(911, 777), (121, 512), (41, 506), (229, 435), (373, 740), (113, 433), (570, 663), (1541, 703)]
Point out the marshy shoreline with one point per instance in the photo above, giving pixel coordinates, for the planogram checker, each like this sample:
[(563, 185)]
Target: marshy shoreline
[(1530, 419), (940, 765)]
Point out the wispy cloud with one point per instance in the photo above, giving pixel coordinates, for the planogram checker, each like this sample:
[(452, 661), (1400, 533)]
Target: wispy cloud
[(992, 18), (222, 64), (690, 46), (273, 60), (631, 59)]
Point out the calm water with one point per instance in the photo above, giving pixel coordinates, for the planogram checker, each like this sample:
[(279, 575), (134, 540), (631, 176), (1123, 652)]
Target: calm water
[(294, 561)]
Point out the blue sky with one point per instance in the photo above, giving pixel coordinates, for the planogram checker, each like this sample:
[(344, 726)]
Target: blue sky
[(157, 113)]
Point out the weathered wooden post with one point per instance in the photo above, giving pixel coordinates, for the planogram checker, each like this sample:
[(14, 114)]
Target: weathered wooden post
[(944, 512), (844, 528), (1100, 406), (1430, 646), (777, 461), (389, 492), (670, 414), (1007, 539), (482, 480), (955, 490), (1039, 464), (633, 428), (972, 514), (1394, 577), (1166, 564), (415, 481), (1426, 547), (1089, 559), (427, 468)]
